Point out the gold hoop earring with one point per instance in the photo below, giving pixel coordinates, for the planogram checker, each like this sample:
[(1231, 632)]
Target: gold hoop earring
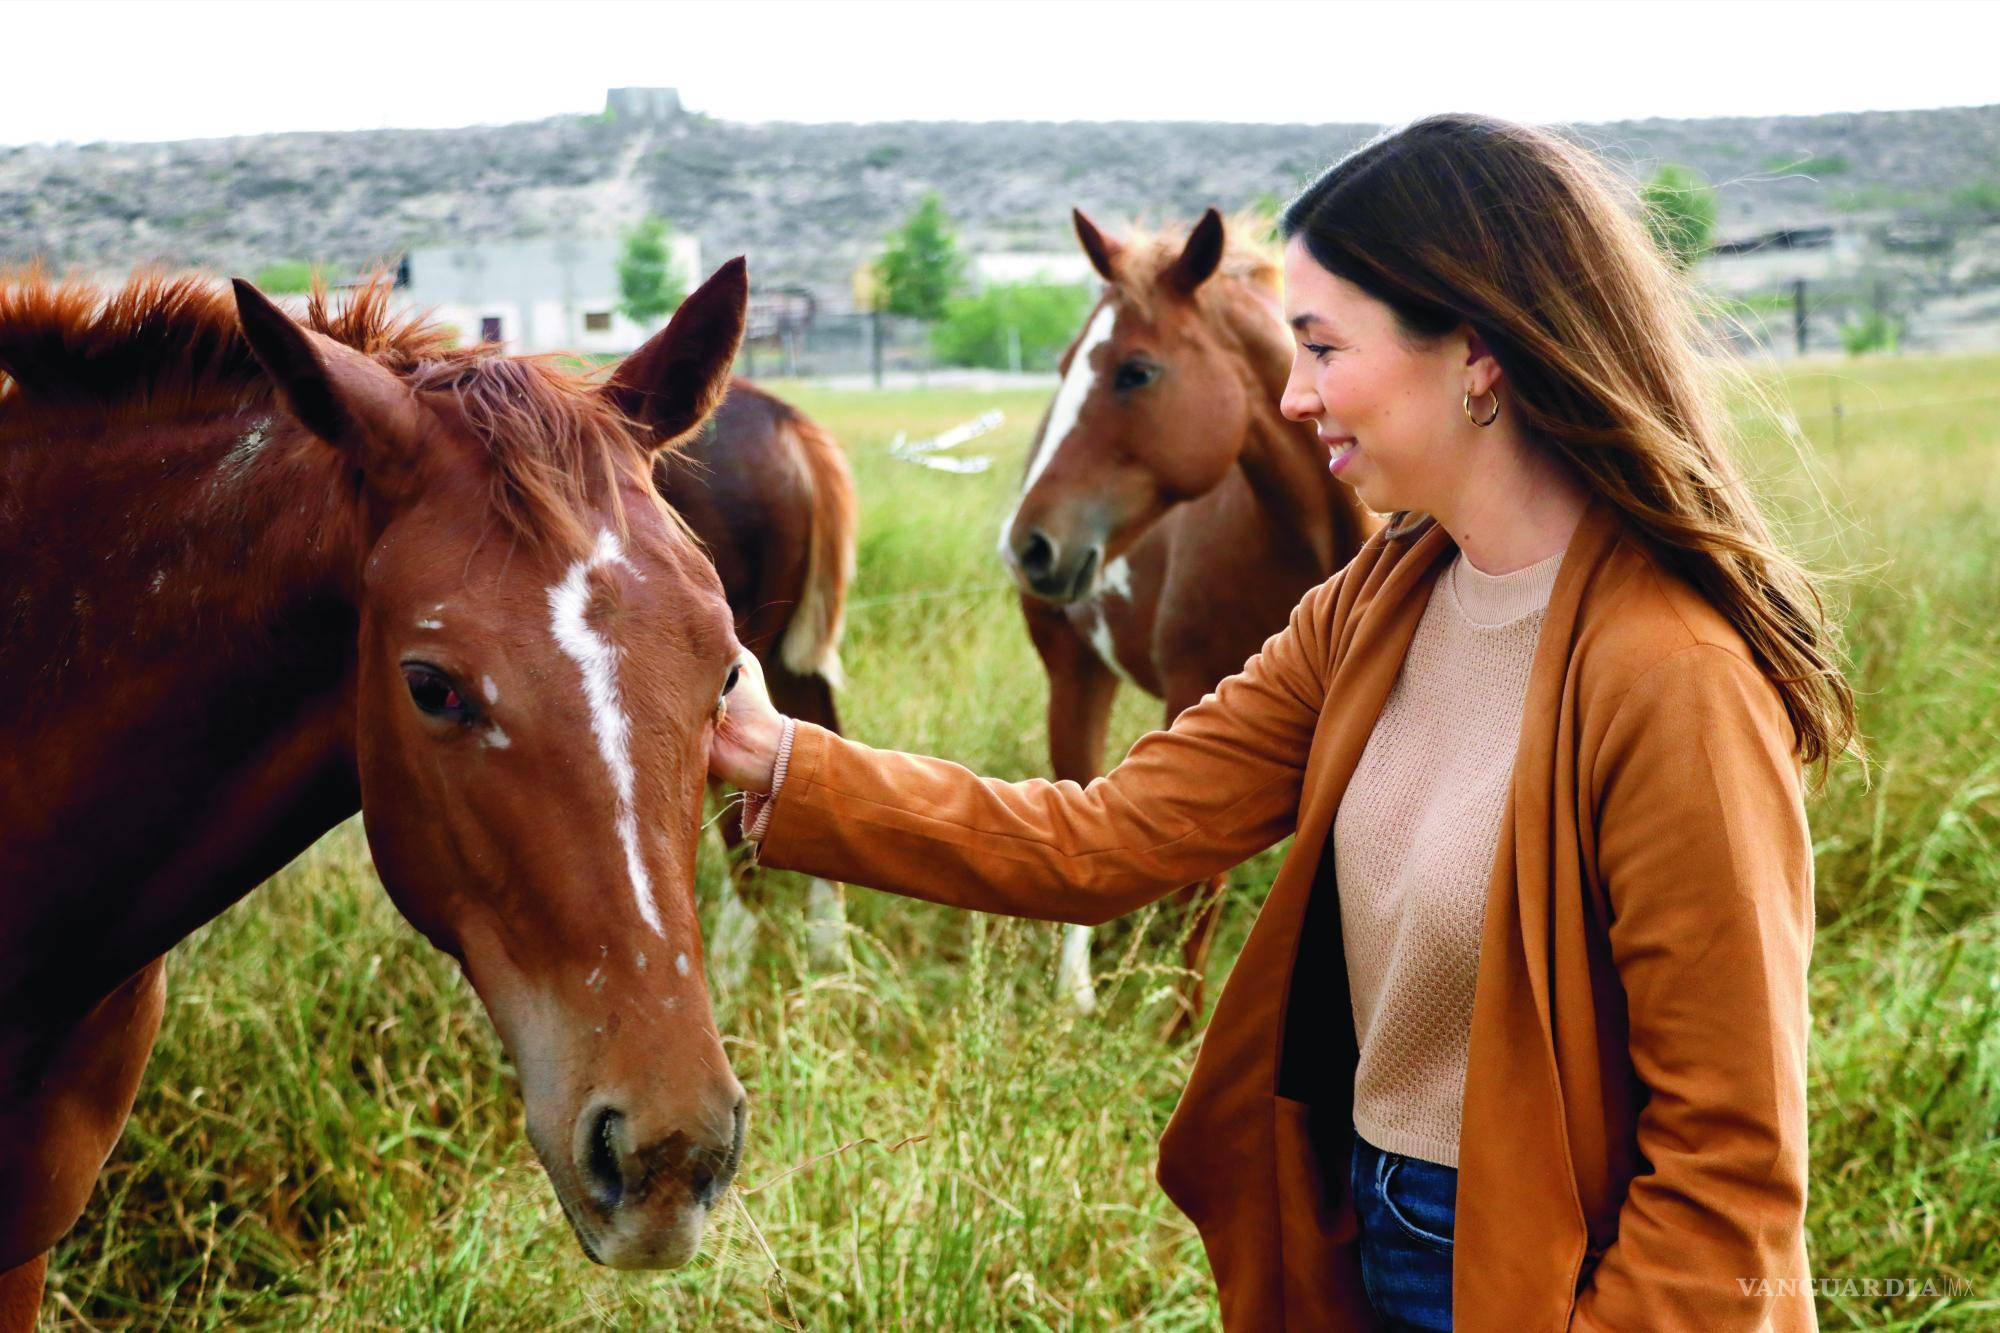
[(1491, 417)]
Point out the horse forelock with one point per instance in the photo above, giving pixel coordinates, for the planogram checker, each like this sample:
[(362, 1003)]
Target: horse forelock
[(1251, 265)]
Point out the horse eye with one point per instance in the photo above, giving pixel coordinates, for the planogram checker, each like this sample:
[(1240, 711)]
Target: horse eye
[(735, 670), (433, 692), (1134, 375)]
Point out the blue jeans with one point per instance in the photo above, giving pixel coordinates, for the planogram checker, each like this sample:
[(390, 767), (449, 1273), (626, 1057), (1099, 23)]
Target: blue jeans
[(1405, 1206)]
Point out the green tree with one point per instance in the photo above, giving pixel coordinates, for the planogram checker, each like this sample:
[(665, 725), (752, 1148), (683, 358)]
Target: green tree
[(1679, 212), (922, 268), (649, 284), (981, 330)]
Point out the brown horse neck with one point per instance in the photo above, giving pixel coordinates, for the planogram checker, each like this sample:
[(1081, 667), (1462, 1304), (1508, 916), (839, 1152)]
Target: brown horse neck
[(176, 659), (1283, 460), (1286, 466)]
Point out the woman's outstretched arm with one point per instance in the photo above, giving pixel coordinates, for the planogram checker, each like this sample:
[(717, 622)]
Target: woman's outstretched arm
[(1222, 784)]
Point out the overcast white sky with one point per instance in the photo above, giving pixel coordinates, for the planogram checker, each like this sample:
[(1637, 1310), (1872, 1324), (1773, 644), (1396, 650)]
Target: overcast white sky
[(80, 71)]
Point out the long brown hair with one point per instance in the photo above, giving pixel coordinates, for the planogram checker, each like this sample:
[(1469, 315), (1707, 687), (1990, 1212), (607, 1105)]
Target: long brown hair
[(1459, 219)]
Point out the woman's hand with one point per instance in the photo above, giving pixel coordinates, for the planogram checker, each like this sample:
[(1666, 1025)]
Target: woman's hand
[(743, 749)]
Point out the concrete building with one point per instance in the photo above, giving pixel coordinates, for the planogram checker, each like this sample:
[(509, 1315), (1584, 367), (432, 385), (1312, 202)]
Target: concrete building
[(537, 296), (1059, 266)]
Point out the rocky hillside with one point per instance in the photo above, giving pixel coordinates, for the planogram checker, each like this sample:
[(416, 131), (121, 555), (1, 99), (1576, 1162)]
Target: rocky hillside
[(809, 202)]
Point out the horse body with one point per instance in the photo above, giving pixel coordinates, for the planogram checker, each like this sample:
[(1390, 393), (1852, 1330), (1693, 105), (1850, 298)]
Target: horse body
[(261, 576), (769, 493), (1170, 518), (148, 787), (169, 727)]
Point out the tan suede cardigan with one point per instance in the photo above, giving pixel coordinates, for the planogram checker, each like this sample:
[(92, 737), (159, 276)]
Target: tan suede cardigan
[(1633, 1153)]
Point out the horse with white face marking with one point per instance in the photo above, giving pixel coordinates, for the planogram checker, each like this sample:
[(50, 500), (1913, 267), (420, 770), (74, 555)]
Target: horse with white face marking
[(1170, 517), (259, 575)]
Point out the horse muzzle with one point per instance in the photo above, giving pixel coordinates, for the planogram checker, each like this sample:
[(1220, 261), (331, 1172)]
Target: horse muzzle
[(639, 1202), (1044, 567)]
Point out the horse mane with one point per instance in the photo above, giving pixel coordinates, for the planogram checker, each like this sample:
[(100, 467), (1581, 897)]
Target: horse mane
[(171, 343)]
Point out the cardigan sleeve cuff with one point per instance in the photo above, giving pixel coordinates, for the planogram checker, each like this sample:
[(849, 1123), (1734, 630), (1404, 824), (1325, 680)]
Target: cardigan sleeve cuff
[(757, 805)]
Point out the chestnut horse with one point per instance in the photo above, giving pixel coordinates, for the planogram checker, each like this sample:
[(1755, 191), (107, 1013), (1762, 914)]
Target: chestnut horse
[(1170, 518), (259, 575), (769, 493)]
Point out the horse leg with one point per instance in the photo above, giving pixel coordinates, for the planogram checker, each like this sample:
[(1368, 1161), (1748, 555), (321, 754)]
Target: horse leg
[(21, 1295), (54, 1141), (730, 942), (1198, 907), (1081, 690), (810, 699)]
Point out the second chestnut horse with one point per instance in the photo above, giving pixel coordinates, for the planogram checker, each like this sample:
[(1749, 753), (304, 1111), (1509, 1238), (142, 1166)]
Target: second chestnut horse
[(769, 493), (1170, 517)]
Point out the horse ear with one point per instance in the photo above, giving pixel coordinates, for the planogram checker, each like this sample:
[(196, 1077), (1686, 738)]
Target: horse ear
[(1103, 251), (339, 394), (671, 384), (1199, 257)]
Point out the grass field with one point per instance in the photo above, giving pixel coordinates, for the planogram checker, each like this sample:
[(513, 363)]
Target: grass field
[(328, 1137)]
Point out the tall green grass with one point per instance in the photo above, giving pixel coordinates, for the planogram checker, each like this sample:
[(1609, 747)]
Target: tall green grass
[(329, 1138)]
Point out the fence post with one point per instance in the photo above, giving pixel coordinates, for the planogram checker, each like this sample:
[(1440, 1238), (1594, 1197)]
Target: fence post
[(1799, 313), (875, 344)]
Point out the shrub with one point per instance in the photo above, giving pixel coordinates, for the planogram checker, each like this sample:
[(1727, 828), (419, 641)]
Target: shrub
[(1044, 315), (287, 277), (1873, 331)]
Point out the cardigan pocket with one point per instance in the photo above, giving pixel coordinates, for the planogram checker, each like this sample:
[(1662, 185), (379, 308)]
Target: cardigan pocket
[(1319, 1264), (1307, 1202)]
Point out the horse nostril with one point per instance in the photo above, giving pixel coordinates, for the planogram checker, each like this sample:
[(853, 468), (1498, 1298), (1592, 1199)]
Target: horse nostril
[(711, 1169), (1080, 584), (602, 1157), (1037, 555)]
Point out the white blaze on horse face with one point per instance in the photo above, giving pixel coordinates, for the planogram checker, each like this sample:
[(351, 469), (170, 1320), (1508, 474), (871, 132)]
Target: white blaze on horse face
[(1075, 388), (598, 659)]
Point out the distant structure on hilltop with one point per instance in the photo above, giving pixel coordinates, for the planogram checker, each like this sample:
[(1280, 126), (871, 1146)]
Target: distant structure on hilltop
[(559, 294), (643, 104)]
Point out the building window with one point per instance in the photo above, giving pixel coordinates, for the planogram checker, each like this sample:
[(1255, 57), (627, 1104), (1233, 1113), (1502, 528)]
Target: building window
[(489, 329), (597, 321)]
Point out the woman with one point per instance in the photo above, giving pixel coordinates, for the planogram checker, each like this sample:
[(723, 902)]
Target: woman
[(1518, 1039)]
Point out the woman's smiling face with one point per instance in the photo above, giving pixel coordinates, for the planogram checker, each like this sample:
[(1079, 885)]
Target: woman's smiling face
[(1389, 410)]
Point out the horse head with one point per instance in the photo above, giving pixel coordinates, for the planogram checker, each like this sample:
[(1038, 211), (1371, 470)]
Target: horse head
[(542, 650), (1153, 409)]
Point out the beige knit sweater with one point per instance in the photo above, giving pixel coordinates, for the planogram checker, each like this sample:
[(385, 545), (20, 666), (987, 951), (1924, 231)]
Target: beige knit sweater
[(1413, 847)]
